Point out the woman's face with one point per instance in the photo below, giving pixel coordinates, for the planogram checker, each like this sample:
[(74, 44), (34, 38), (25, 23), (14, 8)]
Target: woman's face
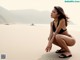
[(54, 14)]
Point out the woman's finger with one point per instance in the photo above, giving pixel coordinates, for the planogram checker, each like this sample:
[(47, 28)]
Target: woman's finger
[(49, 49), (46, 49)]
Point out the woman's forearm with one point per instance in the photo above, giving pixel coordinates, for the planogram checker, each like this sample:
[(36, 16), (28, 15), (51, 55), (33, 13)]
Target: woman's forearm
[(51, 41), (50, 36)]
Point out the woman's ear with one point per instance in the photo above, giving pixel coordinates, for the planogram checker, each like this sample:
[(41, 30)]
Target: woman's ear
[(58, 15)]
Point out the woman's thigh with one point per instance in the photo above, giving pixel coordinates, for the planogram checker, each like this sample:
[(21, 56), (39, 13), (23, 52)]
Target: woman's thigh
[(70, 41)]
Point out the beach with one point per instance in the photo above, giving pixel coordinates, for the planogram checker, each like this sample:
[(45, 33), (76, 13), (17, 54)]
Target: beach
[(26, 42)]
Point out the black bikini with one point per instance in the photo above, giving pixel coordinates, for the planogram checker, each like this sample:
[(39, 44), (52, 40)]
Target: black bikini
[(54, 28)]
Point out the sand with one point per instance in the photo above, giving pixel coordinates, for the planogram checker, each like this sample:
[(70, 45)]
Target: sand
[(25, 42)]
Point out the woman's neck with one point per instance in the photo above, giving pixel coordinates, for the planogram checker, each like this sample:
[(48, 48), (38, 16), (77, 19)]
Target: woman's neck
[(55, 19)]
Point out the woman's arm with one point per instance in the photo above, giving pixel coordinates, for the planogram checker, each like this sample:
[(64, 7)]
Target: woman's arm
[(61, 25), (51, 31)]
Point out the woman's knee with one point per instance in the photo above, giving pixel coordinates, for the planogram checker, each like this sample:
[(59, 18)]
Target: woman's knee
[(72, 43), (57, 37)]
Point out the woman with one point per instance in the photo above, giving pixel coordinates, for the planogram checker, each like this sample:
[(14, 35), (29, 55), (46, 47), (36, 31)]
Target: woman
[(59, 34)]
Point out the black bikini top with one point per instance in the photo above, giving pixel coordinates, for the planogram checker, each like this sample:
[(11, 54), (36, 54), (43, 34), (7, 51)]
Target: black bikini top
[(54, 28)]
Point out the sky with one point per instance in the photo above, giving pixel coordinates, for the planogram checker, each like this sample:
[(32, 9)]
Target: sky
[(27, 4), (71, 9)]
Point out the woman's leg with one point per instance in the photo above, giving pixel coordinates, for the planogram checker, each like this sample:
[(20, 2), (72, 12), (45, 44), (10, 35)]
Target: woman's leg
[(70, 41), (65, 41), (55, 43)]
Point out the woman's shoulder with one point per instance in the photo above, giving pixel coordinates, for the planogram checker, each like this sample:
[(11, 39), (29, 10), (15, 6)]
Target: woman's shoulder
[(62, 19)]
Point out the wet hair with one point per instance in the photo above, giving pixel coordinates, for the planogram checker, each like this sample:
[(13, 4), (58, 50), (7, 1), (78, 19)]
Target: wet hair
[(61, 13)]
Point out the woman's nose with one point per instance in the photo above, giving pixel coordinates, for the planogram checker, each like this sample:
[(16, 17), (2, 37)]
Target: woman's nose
[(51, 13)]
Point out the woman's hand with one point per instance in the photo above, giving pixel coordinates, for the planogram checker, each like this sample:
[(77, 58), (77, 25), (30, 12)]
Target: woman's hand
[(49, 47)]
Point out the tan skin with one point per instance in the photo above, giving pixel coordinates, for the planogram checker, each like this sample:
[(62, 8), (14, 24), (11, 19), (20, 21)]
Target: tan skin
[(62, 40)]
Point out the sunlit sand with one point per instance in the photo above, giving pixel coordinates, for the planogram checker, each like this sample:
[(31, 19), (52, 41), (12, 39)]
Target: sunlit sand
[(26, 42)]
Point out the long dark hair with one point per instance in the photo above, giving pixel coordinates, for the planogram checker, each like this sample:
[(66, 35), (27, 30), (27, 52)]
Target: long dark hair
[(61, 14)]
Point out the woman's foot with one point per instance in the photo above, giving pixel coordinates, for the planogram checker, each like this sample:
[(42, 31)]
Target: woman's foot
[(65, 55), (60, 51)]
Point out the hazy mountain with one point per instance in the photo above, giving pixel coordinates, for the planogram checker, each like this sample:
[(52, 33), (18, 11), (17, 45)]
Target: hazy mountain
[(5, 16), (28, 16), (32, 16)]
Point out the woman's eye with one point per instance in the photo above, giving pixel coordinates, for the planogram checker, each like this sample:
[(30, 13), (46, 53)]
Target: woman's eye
[(53, 11)]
